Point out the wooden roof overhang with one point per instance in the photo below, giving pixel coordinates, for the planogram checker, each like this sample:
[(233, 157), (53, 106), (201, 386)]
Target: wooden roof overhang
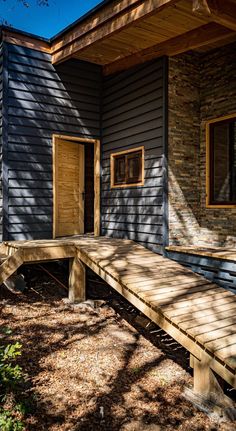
[(126, 32), (119, 34)]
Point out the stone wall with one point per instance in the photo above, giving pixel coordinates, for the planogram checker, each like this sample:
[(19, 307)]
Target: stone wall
[(201, 87)]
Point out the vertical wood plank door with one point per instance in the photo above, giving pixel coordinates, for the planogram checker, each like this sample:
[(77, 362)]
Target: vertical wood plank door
[(68, 188)]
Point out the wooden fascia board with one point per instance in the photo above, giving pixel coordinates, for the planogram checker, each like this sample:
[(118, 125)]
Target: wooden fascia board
[(95, 31), (204, 35), (91, 23), (19, 39), (221, 12)]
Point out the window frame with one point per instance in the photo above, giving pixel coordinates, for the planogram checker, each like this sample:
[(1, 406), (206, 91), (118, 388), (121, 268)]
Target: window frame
[(112, 168), (209, 160)]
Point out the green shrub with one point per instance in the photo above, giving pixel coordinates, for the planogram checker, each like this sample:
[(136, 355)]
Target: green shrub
[(8, 422), (11, 375)]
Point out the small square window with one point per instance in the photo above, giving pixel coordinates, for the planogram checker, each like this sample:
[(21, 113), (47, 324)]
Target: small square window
[(127, 168), (221, 164)]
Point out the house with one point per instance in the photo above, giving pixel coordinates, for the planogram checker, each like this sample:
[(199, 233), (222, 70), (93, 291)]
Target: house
[(124, 125)]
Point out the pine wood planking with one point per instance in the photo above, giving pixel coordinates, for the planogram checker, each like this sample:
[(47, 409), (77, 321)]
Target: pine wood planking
[(214, 252), (161, 319), (178, 308), (201, 290), (184, 301), (187, 300), (207, 319), (213, 331), (185, 316), (222, 347), (178, 294), (176, 314)]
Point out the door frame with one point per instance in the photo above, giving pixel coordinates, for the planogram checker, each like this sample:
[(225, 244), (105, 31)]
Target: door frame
[(97, 172)]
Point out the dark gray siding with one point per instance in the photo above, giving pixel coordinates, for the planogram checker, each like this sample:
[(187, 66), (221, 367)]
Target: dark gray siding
[(222, 272), (1, 121), (42, 100), (133, 115)]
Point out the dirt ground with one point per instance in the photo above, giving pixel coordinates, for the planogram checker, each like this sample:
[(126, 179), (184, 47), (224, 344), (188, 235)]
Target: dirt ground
[(103, 368)]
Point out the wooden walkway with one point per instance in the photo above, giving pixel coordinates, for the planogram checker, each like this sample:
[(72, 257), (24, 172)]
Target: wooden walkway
[(224, 253), (195, 312)]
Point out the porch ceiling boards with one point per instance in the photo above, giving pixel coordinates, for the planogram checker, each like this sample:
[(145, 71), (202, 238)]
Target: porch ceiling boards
[(127, 32)]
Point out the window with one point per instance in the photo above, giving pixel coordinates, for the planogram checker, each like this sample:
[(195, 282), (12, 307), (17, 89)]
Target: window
[(127, 168), (221, 178)]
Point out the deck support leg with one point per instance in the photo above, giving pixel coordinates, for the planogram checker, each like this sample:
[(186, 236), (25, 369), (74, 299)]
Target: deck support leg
[(205, 380), (208, 386), (77, 280)]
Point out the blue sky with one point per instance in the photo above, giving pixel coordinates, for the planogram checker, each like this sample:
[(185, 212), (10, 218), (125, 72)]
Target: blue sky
[(44, 21)]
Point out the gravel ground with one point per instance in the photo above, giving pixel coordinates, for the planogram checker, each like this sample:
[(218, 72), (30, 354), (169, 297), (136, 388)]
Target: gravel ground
[(103, 368)]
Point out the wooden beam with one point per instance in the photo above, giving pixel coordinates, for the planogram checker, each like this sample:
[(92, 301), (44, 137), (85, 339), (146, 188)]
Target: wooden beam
[(221, 12), (22, 40), (77, 281), (193, 39), (156, 316), (66, 47)]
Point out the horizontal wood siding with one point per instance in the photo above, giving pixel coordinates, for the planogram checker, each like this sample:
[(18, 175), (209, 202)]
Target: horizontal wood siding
[(1, 135), (133, 116), (219, 271), (43, 99)]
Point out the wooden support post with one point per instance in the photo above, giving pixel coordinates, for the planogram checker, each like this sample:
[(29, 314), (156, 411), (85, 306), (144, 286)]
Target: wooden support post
[(205, 380), (207, 384), (77, 281)]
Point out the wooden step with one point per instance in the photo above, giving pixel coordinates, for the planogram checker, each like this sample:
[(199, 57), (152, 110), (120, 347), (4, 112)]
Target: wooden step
[(10, 265)]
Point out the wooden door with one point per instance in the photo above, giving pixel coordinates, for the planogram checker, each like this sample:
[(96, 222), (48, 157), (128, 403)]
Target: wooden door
[(68, 188)]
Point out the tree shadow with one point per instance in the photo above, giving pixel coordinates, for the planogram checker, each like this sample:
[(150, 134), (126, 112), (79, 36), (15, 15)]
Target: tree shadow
[(45, 334)]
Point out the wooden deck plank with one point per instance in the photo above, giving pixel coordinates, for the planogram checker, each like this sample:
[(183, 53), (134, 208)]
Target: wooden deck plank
[(218, 338), (192, 321), (223, 253), (202, 288), (159, 318), (211, 328), (227, 354), (217, 345), (170, 281), (182, 296), (196, 312), (180, 318), (166, 302), (184, 308)]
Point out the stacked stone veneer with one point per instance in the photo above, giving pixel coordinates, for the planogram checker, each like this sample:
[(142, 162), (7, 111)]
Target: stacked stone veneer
[(201, 87)]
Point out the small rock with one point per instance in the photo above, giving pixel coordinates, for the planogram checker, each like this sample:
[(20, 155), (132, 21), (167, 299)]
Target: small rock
[(142, 321), (92, 401)]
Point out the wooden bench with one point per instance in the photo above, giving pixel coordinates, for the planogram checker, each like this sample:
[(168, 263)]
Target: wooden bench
[(198, 314)]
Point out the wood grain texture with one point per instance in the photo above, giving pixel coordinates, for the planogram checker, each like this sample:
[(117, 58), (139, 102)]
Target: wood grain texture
[(68, 168), (211, 343)]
